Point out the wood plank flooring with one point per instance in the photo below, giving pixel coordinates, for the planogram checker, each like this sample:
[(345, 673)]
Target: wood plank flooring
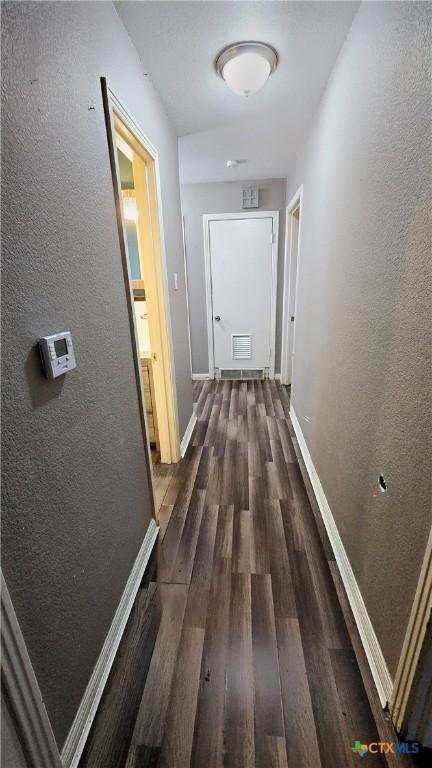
[(237, 653)]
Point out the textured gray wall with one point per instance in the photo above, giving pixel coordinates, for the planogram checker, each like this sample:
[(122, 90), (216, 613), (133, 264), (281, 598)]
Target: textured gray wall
[(75, 491), (222, 197), (363, 319)]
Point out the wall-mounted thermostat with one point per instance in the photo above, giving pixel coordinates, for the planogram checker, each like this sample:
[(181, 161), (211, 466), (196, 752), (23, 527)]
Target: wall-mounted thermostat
[(57, 354)]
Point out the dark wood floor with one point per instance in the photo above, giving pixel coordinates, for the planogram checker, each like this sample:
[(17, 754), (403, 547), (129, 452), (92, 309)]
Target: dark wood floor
[(239, 651)]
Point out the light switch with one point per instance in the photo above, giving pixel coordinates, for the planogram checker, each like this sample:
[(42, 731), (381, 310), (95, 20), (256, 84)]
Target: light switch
[(175, 281)]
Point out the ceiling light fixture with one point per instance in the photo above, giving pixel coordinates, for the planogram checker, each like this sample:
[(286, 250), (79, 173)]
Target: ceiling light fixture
[(246, 67)]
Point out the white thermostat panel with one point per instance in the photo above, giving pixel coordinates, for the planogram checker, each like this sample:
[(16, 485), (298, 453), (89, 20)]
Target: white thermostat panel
[(57, 354)]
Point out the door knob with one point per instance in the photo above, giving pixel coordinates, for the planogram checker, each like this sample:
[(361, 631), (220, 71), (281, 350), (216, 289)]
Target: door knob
[(217, 318)]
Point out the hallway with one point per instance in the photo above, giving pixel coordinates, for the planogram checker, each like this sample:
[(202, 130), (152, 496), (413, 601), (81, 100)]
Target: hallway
[(237, 652), (216, 393)]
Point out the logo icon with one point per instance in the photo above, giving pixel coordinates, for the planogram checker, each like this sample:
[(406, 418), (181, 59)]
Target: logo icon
[(360, 749), (386, 747)]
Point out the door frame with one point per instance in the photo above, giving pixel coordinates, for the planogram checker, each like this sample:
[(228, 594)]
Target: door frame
[(187, 291), (207, 218), (157, 284), (413, 641), (23, 696), (290, 298)]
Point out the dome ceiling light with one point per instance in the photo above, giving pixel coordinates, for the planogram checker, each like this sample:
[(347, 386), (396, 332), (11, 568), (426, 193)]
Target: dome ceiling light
[(246, 67)]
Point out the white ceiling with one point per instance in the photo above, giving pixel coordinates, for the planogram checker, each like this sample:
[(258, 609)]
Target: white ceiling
[(178, 43)]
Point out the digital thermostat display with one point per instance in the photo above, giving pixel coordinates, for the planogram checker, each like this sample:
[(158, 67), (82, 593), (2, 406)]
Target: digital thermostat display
[(57, 354), (60, 347)]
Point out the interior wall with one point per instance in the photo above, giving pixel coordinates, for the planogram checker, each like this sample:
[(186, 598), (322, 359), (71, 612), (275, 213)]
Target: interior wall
[(223, 197), (75, 491), (362, 366)]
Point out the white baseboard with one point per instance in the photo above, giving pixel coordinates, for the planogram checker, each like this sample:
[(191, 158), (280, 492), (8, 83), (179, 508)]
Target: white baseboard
[(78, 733), (200, 376), (187, 435), (378, 666)]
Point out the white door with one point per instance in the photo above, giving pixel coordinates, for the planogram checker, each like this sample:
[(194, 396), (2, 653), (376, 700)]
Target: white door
[(241, 252)]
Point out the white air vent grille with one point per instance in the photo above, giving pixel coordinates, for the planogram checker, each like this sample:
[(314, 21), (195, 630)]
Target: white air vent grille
[(229, 374), (246, 375), (241, 346), (253, 374)]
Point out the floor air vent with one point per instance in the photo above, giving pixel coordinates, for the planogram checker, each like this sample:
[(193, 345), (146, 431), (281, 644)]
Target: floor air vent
[(251, 374), (226, 373)]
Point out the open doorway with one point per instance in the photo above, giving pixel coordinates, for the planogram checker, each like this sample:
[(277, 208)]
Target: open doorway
[(134, 167), (134, 214), (291, 270)]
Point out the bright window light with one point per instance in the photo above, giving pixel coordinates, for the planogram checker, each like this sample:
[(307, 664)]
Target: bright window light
[(130, 208)]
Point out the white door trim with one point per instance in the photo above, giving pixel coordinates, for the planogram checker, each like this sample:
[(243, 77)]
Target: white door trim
[(207, 218), (187, 291), (20, 683), (166, 392), (413, 641), (288, 332)]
